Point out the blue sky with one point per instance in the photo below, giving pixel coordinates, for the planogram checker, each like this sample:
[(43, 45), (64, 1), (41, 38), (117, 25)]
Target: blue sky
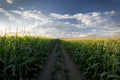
[(61, 18)]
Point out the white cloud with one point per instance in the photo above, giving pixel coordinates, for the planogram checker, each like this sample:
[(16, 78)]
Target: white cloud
[(33, 15), (91, 24), (92, 19), (59, 16), (10, 1), (28, 14), (21, 8), (81, 35), (115, 33), (94, 24), (10, 15), (110, 13), (2, 26)]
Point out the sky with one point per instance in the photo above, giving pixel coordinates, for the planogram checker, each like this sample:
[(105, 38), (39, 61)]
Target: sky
[(61, 18)]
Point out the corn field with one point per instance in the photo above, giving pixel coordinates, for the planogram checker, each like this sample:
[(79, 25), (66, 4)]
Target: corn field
[(22, 58), (97, 59)]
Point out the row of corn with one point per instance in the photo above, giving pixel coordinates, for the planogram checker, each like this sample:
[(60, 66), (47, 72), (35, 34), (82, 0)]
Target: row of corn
[(22, 58), (97, 59)]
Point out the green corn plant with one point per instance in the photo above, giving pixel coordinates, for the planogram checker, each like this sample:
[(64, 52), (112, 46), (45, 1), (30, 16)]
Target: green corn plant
[(97, 59), (23, 56)]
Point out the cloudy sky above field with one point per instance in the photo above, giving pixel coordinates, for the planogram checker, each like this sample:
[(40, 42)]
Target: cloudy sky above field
[(61, 18)]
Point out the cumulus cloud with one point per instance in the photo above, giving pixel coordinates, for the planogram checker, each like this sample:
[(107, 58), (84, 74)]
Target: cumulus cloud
[(9, 15), (21, 8), (92, 19), (10, 1), (92, 24), (59, 16), (115, 33), (32, 15)]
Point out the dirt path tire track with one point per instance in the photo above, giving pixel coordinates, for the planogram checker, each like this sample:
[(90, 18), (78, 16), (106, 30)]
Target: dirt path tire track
[(46, 73), (74, 74)]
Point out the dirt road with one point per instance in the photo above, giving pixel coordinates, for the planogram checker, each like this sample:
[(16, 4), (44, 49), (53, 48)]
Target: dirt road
[(60, 66)]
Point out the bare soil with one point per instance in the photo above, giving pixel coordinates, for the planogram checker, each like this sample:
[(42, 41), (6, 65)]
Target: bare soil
[(60, 66), (46, 73), (74, 74)]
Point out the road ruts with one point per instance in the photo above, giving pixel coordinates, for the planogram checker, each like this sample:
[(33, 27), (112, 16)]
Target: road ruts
[(73, 73), (46, 73)]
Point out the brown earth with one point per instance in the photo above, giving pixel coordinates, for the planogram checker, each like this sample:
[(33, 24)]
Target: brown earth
[(68, 64)]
